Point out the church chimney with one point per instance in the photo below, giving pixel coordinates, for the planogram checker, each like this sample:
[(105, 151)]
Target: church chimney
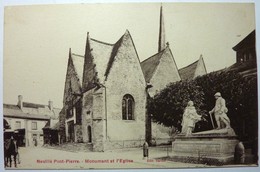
[(20, 101), (161, 42)]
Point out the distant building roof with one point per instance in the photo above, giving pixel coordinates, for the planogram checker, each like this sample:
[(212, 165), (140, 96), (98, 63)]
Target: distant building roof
[(188, 71), (150, 64), (248, 41), (33, 105), (30, 110), (15, 112)]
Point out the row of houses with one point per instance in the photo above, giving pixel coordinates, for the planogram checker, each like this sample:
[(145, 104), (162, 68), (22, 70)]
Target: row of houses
[(27, 121)]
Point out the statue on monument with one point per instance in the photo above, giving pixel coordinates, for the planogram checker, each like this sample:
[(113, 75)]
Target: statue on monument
[(190, 117), (220, 111)]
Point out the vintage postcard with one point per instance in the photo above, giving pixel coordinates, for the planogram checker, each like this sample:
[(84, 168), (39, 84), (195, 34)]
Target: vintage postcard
[(130, 86)]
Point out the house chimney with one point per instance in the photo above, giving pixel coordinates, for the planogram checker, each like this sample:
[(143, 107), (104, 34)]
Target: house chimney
[(50, 105), (20, 101)]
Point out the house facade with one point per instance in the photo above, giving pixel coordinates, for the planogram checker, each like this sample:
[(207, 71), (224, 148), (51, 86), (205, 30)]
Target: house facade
[(245, 49), (28, 119)]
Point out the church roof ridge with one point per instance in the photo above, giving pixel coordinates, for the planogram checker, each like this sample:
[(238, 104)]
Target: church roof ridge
[(77, 55), (188, 71), (78, 64), (161, 52), (101, 42), (189, 65)]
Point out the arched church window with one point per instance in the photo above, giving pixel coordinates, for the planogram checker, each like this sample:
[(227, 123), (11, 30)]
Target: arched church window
[(128, 107)]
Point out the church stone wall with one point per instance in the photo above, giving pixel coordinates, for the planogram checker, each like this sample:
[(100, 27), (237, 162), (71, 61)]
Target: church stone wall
[(125, 77), (78, 133), (87, 110)]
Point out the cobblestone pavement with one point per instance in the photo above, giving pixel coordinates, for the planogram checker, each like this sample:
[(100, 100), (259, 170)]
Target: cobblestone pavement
[(46, 158)]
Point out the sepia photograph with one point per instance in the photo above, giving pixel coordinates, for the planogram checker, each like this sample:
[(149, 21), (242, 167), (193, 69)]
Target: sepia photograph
[(130, 85)]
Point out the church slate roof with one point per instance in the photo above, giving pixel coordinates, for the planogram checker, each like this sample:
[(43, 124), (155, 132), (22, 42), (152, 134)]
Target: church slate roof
[(101, 52), (188, 72), (78, 63), (104, 54), (150, 64), (113, 54)]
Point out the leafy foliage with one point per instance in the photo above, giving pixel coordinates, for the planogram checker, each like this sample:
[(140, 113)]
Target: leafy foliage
[(239, 92), (167, 107)]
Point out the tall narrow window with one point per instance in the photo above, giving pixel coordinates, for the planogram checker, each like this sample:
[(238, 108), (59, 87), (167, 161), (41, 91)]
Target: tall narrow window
[(128, 107)]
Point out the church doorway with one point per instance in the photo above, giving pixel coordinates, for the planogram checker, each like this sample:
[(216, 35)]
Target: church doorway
[(71, 136), (89, 134)]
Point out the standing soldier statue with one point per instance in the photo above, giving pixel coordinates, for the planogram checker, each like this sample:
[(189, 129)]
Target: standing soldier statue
[(220, 111)]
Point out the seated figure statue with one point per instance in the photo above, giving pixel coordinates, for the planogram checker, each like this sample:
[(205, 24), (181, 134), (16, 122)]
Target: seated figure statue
[(190, 117)]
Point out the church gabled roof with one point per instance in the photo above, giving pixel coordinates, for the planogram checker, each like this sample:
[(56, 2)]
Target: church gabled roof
[(101, 53), (150, 64), (188, 71), (113, 54), (193, 70), (104, 55)]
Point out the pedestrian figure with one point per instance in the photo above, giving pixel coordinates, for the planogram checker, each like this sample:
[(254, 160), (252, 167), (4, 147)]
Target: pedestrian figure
[(145, 150)]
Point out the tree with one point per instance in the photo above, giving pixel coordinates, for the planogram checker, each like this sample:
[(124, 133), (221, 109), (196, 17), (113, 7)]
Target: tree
[(167, 107)]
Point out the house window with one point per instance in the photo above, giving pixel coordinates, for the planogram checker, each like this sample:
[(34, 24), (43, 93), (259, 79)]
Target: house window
[(128, 107), (34, 125), (18, 125)]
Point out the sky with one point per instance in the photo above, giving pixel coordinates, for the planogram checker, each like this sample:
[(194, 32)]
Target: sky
[(37, 39)]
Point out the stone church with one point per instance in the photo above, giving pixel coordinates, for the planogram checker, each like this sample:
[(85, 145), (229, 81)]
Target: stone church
[(106, 91)]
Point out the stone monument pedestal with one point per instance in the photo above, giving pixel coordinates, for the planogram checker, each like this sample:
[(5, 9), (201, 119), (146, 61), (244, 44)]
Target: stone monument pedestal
[(213, 147)]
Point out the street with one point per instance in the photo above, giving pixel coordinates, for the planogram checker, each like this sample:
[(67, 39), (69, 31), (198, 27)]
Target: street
[(47, 158)]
